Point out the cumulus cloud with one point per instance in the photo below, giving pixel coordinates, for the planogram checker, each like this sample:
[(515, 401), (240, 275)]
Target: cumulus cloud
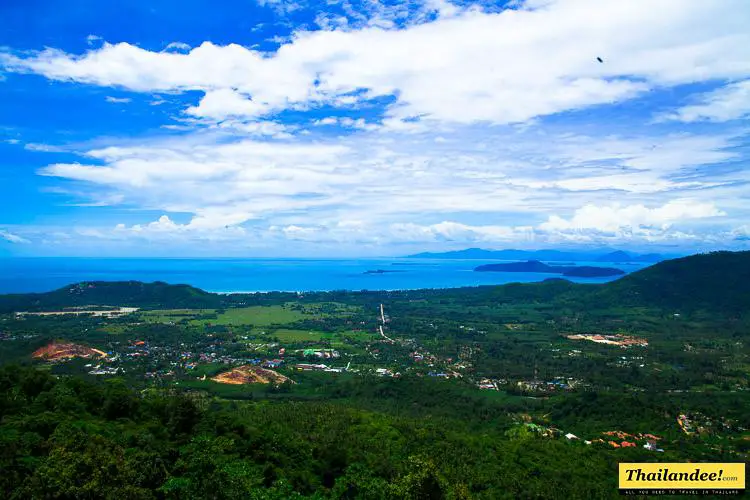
[(12, 238), (636, 219), (224, 103), (499, 67), (731, 102), (201, 227)]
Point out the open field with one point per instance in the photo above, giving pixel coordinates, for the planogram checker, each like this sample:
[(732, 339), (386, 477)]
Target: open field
[(259, 316), (291, 335), (173, 315)]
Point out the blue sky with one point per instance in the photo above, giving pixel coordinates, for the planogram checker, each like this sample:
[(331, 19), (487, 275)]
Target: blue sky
[(301, 128)]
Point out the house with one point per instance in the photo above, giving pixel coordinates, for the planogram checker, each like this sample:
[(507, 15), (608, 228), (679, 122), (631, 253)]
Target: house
[(571, 436), (627, 444), (651, 446), (309, 367)]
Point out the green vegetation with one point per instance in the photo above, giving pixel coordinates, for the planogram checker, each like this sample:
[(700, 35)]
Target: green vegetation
[(398, 415)]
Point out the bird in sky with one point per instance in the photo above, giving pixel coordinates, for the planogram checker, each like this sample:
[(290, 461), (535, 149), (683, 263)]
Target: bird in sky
[(600, 59)]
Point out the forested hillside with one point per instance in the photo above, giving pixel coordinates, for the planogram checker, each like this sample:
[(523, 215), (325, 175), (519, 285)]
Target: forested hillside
[(714, 282), (66, 438), (112, 293)]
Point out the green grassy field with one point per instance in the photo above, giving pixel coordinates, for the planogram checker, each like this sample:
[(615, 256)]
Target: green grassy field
[(287, 335), (173, 315), (260, 316)]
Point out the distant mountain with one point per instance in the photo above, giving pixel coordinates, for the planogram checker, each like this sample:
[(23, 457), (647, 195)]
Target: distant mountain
[(113, 293), (534, 266), (617, 256), (543, 255)]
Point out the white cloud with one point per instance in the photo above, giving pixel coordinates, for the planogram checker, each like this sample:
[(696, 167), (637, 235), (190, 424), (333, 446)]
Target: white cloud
[(456, 231), (12, 238), (731, 102), (346, 122), (92, 39), (259, 128), (225, 103), (501, 67), (329, 120), (118, 100), (635, 218), (201, 227), (384, 180)]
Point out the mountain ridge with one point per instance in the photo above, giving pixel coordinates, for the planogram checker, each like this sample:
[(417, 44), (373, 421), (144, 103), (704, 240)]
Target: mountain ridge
[(600, 255)]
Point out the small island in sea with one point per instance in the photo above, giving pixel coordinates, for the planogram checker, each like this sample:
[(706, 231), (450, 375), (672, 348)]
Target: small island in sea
[(534, 266)]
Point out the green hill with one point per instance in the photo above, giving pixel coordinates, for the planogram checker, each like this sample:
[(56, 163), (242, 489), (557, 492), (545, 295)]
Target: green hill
[(717, 281), (113, 293)]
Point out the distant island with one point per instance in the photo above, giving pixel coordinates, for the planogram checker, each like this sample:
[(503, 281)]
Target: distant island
[(602, 255), (534, 266), (383, 271)]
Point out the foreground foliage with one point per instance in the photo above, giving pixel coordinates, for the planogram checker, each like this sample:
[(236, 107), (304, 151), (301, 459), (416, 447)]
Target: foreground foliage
[(66, 438)]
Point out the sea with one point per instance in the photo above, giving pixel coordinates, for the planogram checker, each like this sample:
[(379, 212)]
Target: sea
[(226, 275)]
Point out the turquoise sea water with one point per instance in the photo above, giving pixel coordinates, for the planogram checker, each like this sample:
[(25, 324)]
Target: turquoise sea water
[(19, 275)]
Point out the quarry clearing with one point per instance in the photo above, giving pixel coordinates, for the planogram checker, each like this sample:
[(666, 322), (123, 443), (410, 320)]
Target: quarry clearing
[(60, 351), (248, 374)]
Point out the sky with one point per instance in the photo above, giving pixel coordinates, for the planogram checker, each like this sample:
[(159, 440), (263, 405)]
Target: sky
[(301, 128)]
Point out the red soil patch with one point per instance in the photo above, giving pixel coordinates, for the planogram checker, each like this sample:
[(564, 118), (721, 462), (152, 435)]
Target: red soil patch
[(56, 351), (247, 374)]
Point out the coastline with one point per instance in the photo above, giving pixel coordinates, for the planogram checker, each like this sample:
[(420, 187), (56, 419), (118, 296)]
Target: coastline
[(255, 277)]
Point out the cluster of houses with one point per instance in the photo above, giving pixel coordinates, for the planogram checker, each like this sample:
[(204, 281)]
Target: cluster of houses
[(620, 439), (320, 353), (102, 370), (697, 423), (614, 439), (386, 372), (558, 384), (630, 361), (490, 384)]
